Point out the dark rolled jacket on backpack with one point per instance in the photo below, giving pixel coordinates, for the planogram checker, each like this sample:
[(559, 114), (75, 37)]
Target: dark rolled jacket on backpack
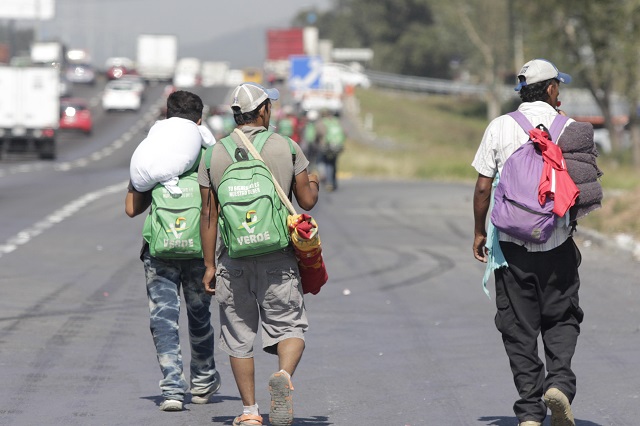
[(580, 153)]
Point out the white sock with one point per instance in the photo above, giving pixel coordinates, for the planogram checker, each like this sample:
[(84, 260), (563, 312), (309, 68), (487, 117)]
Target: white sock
[(288, 375), (250, 409)]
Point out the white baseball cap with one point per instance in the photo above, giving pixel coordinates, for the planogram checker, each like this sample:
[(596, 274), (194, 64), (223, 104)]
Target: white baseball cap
[(538, 70), (248, 96)]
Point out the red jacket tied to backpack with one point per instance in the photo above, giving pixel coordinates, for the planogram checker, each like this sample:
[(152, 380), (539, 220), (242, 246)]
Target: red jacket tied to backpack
[(555, 182)]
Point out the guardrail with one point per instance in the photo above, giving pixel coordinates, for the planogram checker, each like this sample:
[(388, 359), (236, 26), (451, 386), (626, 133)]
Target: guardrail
[(576, 101), (430, 85)]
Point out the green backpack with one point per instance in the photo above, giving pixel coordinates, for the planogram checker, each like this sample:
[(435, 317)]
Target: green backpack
[(310, 132), (252, 219), (172, 228), (334, 135), (285, 127)]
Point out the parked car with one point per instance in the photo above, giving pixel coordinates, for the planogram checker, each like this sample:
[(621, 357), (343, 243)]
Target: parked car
[(121, 95), (118, 66), (81, 73), (75, 115)]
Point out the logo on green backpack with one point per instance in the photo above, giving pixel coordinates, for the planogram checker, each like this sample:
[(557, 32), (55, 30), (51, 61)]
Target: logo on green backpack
[(172, 228)]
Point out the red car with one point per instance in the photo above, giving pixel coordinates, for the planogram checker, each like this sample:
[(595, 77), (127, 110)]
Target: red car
[(119, 66), (75, 115)]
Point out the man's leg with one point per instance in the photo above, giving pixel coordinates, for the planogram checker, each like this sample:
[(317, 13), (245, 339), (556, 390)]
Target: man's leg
[(289, 354), (163, 290), (561, 317), (204, 379), (244, 374), (518, 319)]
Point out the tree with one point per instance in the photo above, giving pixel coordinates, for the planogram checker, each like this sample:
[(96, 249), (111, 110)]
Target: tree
[(403, 34), (599, 40), (486, 25)]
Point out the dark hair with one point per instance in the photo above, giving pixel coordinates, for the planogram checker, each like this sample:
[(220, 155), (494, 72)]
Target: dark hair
[(184, 104), (535, 91), (248, 117)]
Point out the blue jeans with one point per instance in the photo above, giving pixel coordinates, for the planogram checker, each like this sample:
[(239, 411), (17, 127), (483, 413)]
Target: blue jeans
[(164, 279)]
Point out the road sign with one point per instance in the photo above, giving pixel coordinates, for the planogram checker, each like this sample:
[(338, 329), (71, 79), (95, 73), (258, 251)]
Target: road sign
[(27, 9), (305, 72)]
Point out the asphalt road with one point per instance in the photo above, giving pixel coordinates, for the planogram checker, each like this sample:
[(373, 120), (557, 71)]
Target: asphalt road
[(402, 333)]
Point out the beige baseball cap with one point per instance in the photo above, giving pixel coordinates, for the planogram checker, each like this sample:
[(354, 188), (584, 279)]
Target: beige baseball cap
[(538, 70), (248, 96)]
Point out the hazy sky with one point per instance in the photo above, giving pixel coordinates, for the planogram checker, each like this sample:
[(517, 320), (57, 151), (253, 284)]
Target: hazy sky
[(214, 29)]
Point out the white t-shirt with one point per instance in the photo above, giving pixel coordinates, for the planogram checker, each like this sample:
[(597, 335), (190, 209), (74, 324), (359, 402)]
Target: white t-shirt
[(502, 138), (171, 148)]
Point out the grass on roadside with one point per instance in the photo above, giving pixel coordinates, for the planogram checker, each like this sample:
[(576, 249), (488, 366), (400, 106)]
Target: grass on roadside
[(433, 138), (436, 137)]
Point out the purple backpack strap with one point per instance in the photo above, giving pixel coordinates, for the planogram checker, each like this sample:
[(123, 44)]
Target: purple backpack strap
[(521, 120), (556, 127)]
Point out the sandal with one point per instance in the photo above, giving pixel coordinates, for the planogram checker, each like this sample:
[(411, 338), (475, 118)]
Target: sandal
[(281, 413), (248, 420)]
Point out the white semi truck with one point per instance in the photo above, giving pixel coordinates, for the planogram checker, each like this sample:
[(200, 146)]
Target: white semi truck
[(156, 57), (29, 110)]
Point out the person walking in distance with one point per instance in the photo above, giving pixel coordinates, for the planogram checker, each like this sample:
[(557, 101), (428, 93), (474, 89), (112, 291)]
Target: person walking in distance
[(165, 274), (536, 283), (262, 290), (331, 138)]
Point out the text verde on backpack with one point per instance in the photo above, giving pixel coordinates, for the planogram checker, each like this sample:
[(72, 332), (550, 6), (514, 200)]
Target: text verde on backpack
[(172, 228), (253, 220)]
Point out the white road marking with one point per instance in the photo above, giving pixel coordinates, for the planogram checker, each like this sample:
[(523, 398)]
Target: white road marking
[(26, 235)]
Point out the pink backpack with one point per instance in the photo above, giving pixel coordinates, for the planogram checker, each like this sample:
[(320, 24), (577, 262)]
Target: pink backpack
[(516, 209)]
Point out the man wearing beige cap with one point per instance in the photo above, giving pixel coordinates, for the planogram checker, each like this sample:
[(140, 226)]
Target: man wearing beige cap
[(263, 290), (536, 283)]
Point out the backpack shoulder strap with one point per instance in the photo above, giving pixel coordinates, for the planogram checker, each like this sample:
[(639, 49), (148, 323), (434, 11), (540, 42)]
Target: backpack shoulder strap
[(261, 139), (521, 120), (231, 146), (557, 126)]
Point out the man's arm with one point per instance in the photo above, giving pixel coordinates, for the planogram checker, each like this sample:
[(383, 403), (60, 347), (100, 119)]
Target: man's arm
[(481, 202), (208, 235), (306, 190), (136, 202)]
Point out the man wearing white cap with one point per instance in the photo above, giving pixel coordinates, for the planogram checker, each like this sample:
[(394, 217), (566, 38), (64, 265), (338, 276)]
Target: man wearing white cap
[(262, 290), (536, 284)]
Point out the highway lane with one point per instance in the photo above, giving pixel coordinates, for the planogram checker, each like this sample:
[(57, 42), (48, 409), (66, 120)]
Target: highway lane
[(401, 335), (31, 190)]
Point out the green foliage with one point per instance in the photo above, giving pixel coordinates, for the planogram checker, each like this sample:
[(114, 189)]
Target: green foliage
[(404, 34)]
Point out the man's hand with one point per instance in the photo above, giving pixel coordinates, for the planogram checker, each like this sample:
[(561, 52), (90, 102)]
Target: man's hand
[(480, 251), (209, 280)]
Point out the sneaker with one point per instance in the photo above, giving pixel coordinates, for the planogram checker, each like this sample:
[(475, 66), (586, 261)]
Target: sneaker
[(530, 423), (280, 387), (204, 399), (558, 403), (171, 405), (248, 420)]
